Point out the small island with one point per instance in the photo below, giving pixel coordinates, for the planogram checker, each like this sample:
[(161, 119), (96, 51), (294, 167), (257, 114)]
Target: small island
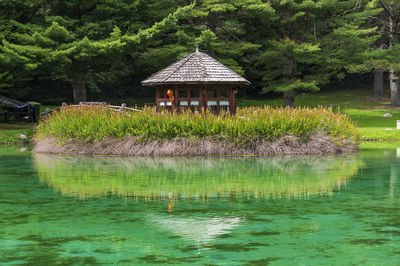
[(100, 130)]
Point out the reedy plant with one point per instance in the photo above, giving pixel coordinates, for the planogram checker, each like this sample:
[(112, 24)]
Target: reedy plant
[(250, 125)]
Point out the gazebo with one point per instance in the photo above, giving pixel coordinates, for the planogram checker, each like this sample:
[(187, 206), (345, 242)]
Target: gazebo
[(198, 82)]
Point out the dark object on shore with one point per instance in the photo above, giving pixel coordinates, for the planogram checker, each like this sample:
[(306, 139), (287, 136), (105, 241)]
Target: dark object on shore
[(131, 146), (14, 110), (197, 82)]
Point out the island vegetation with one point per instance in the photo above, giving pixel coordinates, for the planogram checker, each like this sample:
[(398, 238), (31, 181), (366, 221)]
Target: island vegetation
[(265, 131)]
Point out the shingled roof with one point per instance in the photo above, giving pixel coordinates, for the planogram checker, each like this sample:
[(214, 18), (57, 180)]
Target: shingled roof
[(195, 68)]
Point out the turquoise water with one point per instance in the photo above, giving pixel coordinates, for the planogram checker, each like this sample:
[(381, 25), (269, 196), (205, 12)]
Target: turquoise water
[(218, 211)]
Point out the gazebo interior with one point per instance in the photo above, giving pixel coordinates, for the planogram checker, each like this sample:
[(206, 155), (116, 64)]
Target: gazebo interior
[(215, 99)]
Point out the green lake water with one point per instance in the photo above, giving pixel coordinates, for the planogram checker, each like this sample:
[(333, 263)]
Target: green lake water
[(311, 210)]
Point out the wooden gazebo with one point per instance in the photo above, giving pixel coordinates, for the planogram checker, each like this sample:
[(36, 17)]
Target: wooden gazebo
[(198, 82)]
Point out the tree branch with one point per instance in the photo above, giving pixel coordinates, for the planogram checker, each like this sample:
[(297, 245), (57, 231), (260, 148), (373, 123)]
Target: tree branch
[(387, 9)]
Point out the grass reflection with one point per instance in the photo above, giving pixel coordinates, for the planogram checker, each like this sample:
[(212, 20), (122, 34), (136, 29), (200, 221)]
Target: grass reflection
[(155, 178)]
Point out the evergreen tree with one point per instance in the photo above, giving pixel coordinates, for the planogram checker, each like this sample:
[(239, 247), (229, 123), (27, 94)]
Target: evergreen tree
[(109, 46), (313, 42), (59, 53), (380, 44), (386, 58), (16, 19), (75, 47)]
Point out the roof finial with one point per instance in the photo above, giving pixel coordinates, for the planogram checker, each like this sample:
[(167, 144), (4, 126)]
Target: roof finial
[(197, 47)]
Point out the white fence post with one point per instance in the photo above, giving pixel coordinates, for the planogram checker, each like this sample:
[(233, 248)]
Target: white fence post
[(47, 112)]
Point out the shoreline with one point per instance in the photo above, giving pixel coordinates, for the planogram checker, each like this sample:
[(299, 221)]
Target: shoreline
[(131, 146)]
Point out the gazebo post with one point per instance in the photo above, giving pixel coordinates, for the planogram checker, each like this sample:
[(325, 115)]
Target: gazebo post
[(172, 103), (205, 100), (219, 99), (158, 99), (234, 101), (188, 97), (176, 98), (201, 96), (231, 101)]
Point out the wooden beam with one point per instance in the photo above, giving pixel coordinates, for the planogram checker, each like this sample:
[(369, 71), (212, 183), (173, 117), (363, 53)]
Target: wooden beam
[(157, 99), (218, 100), (234, 101), (188, 97), (231, 102), (176, 98), (201, 96)]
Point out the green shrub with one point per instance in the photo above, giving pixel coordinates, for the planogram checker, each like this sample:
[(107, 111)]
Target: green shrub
[(94, 123)]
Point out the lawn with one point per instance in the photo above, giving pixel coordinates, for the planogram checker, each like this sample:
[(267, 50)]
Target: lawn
[(9, 133)]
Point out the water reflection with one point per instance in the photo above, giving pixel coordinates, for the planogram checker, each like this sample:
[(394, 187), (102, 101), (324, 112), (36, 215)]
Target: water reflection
[(193, 178), (198, 230), (42, 225)]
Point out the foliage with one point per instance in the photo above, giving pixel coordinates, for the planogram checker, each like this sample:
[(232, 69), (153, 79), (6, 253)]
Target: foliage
[(4, 104), (316, 41), (110, 46), (76, 42), (94, 123)]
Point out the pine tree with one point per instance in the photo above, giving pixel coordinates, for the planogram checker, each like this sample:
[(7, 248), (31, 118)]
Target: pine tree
[(77, 46), (387, 57), (109, 46), (16, 19), (314, 41)]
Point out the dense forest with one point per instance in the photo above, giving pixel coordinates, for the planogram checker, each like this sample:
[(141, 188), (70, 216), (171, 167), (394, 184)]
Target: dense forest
[(70, 50)]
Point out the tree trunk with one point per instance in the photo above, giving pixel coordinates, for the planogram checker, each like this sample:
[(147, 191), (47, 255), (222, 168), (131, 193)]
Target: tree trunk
[(288, 99), (378, 83), (394, 88), (393, 77), (79, 88), (288, 72)]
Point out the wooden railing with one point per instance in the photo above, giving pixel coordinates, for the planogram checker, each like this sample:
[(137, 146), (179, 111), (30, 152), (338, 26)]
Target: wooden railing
[(18, 115), (8, 116), (116, 108)]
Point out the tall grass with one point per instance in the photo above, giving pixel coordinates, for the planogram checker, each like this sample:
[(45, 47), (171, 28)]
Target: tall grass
[(95, 123)]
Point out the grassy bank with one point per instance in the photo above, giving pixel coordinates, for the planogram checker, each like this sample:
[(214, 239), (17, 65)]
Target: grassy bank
[(252, 130), (9, 133), (366, 111)]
